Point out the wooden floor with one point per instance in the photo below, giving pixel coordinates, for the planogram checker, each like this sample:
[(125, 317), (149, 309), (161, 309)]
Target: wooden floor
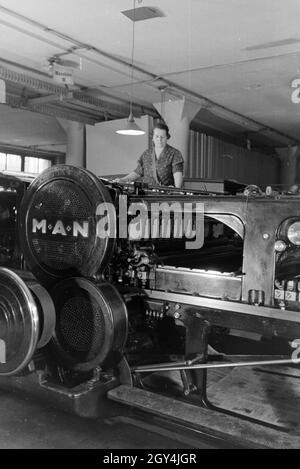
[(269, 394)]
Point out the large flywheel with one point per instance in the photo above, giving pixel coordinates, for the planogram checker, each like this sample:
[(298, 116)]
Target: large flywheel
[(59, 219), (27, 320), (91, 324)]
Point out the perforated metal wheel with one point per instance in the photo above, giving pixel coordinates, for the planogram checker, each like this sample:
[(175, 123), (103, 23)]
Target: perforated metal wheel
[(23, 326), (58, 224), (91, 325)]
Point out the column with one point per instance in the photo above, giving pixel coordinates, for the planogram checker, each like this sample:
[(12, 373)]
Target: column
[(76, 144), (288, 157)]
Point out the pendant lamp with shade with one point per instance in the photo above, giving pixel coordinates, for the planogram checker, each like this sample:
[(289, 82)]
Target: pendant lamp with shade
[(131, 128)]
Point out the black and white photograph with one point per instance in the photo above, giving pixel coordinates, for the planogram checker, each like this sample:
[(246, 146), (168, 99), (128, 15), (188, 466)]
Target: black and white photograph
[(149, 227)]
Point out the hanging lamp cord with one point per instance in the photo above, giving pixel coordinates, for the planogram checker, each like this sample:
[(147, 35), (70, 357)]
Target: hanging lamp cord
[(132, 58)]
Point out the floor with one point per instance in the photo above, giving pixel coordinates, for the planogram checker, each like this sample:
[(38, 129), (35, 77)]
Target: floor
[(266, 394), (270, 394), (29, 424)]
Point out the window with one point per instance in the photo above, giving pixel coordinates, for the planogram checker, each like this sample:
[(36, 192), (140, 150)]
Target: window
[(35, 165), (2, 161), (19, 163), (13, 163)]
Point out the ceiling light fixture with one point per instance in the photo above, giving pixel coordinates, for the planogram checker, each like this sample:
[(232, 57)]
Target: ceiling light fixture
[(131, 127)]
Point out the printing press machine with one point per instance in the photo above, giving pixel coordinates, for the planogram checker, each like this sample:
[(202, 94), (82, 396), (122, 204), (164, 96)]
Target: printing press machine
[(100, 306)]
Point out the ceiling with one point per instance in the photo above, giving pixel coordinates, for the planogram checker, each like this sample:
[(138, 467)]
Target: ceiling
[(237, 58)]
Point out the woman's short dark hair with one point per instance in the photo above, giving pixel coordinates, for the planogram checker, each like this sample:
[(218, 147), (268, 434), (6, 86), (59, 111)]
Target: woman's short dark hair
[(162, 126)]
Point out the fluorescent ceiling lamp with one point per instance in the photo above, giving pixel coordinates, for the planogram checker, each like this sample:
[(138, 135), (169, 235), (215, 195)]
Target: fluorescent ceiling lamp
[(131, 128)]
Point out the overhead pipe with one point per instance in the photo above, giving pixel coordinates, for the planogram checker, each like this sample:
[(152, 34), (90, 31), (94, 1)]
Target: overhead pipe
[(39, 85), (16, 102), (64, 94), (44, 86)]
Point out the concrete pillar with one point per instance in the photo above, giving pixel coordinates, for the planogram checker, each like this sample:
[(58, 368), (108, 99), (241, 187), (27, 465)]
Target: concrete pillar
[(288, 157), (178, 115), (76, 144)]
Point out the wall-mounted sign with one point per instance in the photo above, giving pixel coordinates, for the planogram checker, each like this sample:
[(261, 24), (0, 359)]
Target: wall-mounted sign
[(62, 75), (295, 96)]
